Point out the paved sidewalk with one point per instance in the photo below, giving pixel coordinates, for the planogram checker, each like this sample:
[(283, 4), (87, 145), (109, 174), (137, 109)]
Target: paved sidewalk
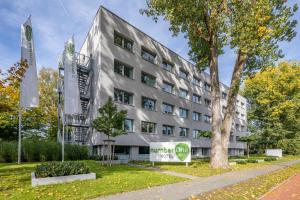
[(288, 190), (183, 190)]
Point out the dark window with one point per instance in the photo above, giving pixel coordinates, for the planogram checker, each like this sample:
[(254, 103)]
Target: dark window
[(183, 93), (148, 79), (148, 127), (207, 102), (148, 55), (128, 125), (237, 138), (168, 130), (224, 95), (196, 98), (196, 81), (183, 74), (231, 138), (168, 87), (183, 132), (167, 108), (148, 103), (205, 151), (122, 149), (123, 69), (123, 97), (183, 113), (196, 133), (167, 66), (207, 118), (196, 116), (122, 41), (144, 150), (207, 87)]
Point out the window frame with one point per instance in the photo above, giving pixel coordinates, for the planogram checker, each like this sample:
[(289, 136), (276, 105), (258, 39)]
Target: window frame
[(199, 116), (183, 71), (124, 39), (166, 128), (123, 97), (167, 104), (148, 123), (185, 91), (170, 84), (149, 75), (147, 98), (148, 51), (168, 63), (187, 113), (198, 96), (186, 131), (116, 61), (132, 125)]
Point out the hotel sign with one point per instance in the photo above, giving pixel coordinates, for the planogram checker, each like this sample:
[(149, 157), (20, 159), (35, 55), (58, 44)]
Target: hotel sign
[(170, 151)]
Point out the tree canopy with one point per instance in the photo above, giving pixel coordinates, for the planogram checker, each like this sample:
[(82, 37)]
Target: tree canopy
[(274, 96)]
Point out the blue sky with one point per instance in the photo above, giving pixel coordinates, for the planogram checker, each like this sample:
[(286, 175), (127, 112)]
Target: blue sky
[(54, 21)]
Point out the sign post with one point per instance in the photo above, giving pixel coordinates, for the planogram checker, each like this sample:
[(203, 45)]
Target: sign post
[(170, 152)]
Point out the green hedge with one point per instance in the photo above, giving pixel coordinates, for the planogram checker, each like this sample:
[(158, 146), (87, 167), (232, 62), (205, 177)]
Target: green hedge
[(53, 169), (40, 151), (268, 159)]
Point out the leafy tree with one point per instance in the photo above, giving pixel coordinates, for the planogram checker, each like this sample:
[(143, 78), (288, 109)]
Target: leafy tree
[(252, 28), (110, 122), (37, 122), (248, 140), (274, 95)]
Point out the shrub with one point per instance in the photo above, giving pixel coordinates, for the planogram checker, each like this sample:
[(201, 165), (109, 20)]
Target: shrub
[(100, 158), (252, 161), (242, 162), (40, 151), (53, 169), (268, 159)]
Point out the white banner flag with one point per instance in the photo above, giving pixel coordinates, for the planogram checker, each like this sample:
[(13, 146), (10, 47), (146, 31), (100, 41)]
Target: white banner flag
[(71, 90), (29, 85)]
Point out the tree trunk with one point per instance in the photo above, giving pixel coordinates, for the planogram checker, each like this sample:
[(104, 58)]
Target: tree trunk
[(218, 158), (248, 145), (232, 96)]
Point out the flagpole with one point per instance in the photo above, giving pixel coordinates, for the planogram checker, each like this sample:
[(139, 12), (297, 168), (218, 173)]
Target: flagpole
[(63, 143), (19, 135)]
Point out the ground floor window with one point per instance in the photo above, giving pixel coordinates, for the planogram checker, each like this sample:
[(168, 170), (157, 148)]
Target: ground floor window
[(205, 151), (194, 151), (122, 149), (144, 150)]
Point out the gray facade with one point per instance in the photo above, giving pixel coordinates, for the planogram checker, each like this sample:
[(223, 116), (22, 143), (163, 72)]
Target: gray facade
[(130, 66)]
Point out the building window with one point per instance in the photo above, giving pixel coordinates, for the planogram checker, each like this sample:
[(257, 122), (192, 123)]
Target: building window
[(183, 93), (167, 108), (128, 125), (196, 116), (148, 79), (122, 149), (196, 99), (149, 104), (122, 41), (242, 128), (237, 127), (196, 133), (148, 127), (123, 69), (224, 95), (207, 118), (148, 55), (196, 81), (183, 113), (183, 132), (168, 130), (183, 74), (205, 151), (207, 87), (168, 87), (237, 138), (167, 66), (144, 150), (231, 138), (207, 102), (123, 97)]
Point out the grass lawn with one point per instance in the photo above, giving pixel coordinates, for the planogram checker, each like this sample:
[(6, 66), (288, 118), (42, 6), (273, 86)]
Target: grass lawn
[(253, 188), (15, 182), (202, 167)]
